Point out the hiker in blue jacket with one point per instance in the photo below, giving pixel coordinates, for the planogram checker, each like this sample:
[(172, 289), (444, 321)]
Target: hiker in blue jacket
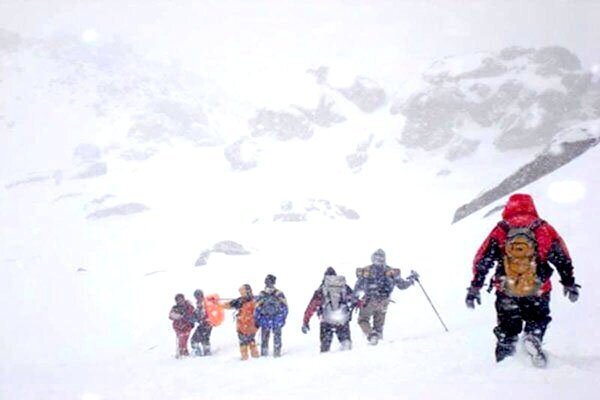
[(270, 314)]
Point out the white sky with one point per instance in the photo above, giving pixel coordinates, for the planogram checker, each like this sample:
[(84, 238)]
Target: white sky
[(374, 35)]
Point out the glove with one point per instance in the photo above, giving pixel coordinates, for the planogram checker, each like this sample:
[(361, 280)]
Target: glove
[(305, 328), (359, 303), (414, 276), (572, 292), (472, 297)]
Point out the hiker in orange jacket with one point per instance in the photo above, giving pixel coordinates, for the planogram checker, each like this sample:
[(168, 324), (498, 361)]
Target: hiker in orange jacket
[(245, 325)]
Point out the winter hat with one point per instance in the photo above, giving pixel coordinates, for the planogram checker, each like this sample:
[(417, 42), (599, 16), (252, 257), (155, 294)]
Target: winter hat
[(247, 289), (330, 271), (179, 297), (198, 293), (378, 258), (270, 280)]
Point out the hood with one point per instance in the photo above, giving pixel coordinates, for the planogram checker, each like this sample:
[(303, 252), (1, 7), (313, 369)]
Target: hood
[(270, 280), (519, 205), (330, 272), (378, 258)]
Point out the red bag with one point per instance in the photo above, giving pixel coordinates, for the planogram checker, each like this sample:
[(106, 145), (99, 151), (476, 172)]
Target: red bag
[(214, 310)]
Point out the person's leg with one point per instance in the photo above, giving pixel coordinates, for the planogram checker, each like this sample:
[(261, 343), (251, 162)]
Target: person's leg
[(252, 344), (264, 341), (343, 334), (379, 317), (182, 338), (326, 336), (536, 314), (277, 342), (364, 318), (243, 345), (196, 340), (205, 339), (510, 324)]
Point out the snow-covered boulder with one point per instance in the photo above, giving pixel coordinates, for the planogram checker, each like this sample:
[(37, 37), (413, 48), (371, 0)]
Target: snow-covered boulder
[(518, 97)]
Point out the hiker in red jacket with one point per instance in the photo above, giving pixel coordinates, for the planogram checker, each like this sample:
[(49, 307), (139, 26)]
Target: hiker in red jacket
[(182, 315), (333, 302), (522, 247)]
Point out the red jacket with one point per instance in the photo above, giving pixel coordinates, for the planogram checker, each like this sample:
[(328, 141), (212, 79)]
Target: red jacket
[(520, 212), (182, 317)]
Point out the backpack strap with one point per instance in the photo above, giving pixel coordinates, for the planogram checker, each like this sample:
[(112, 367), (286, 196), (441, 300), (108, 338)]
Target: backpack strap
[(536, 224), (505, 226), (363, 272)]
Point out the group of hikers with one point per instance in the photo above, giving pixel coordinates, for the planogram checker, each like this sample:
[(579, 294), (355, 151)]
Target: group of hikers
[(521, 247), (333, 301)]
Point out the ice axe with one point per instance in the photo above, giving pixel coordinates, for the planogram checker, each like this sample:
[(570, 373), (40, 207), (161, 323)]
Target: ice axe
[(416, 279)]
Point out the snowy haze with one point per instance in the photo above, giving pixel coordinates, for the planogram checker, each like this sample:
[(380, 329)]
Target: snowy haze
[(155, 147)]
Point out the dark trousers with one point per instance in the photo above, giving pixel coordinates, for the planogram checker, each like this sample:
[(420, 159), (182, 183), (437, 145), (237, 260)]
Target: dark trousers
[(202, 334), (514, 312), (327, 331), (201, 339), (264, 341)]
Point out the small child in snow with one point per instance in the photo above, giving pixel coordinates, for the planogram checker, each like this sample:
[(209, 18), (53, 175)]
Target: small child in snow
[(246, 327), (182, 315), (201, 337)]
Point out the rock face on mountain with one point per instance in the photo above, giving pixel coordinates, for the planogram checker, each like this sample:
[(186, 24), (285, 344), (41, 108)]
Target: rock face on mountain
[(567, 146), (313, 208), (227, 247), (521, 97)]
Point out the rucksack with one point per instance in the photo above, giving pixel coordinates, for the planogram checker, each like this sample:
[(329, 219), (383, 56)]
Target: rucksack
[(214, 310), (335, 302), (519, 260), (378, 281), (271, 311)]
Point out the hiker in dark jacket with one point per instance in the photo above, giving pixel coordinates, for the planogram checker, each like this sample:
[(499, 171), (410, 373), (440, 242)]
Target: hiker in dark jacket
[(201, 337), (182, 315), (522, 247), (270, 314), (333, 301), (375, 284)]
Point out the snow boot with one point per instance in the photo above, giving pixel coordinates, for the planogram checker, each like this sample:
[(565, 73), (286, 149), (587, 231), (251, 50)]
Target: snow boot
[(373, 339), (207, 350), (254, 350), (244, 351), (196, 350), (264, 351), (504, 349), (533, 346), (346, 345)]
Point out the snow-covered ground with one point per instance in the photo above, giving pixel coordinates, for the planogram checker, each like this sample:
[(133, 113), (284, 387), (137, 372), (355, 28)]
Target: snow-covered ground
[(117, 177)]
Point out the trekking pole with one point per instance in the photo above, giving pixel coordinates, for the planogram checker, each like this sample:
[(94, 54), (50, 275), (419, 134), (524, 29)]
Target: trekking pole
[(431, 303)]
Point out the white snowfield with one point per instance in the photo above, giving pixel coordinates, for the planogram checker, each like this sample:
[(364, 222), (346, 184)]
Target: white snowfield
[(129, 173)]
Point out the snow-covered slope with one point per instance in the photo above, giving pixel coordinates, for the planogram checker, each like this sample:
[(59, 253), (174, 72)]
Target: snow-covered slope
[(87, 299), (127, 177)]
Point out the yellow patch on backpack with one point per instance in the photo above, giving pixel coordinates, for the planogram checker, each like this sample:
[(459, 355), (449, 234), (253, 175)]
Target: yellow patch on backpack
[(363, 272), (520, 267), (392, 272)]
